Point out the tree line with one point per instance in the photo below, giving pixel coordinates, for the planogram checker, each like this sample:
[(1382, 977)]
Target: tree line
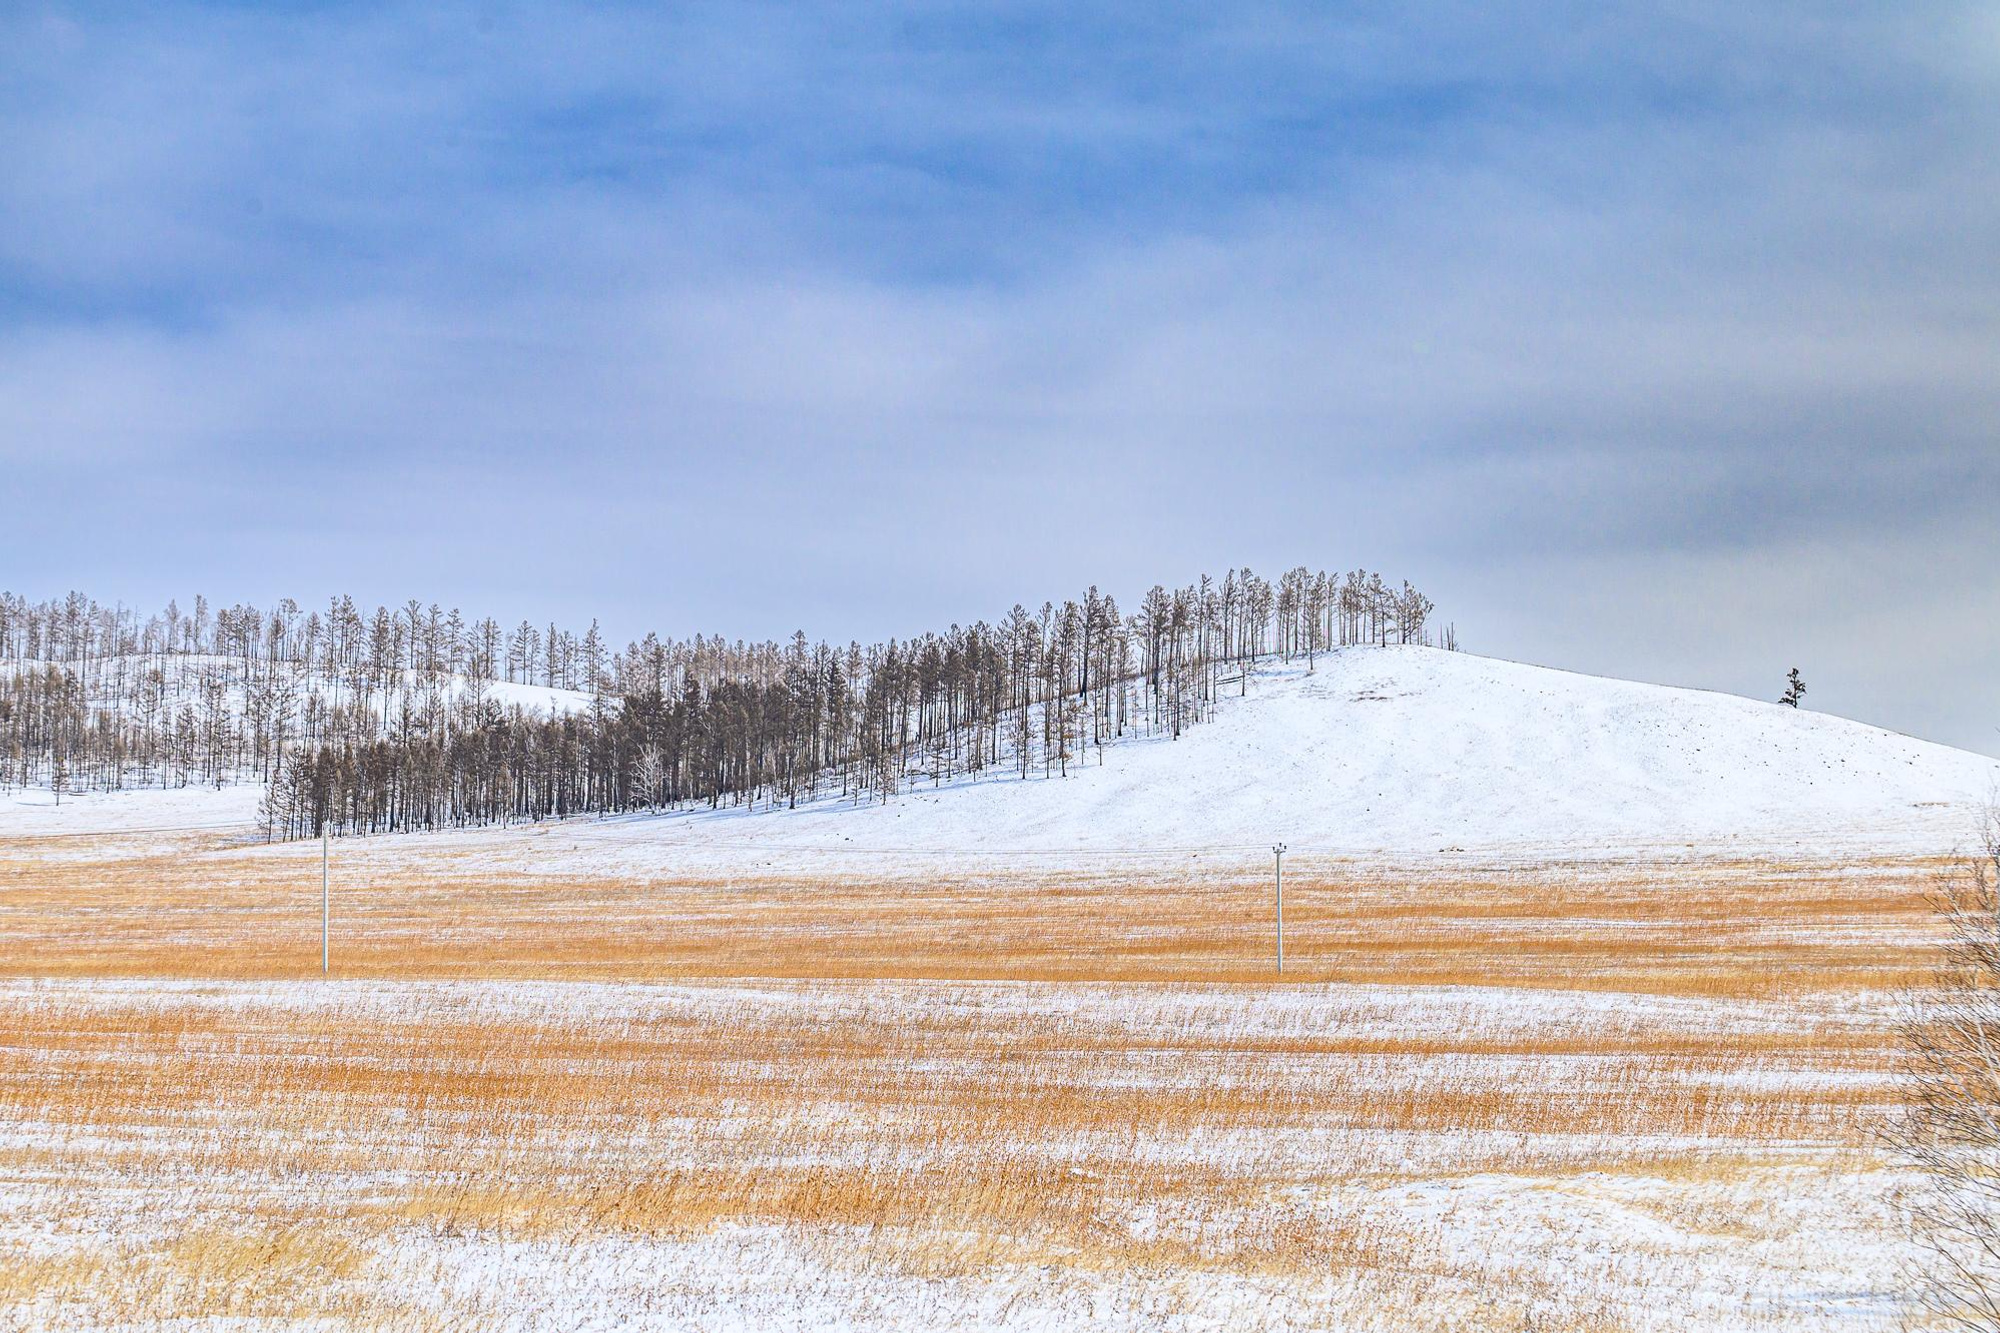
[(412, 717)]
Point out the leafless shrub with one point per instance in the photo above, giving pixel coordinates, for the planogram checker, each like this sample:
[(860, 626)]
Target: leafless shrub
[(1949, 1131)]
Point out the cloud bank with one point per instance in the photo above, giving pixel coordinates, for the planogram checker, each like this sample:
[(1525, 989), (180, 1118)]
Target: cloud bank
[(1664, 347)]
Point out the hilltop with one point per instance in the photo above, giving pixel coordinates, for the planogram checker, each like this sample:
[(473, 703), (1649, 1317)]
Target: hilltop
[(1415, 751), (1389, 751)]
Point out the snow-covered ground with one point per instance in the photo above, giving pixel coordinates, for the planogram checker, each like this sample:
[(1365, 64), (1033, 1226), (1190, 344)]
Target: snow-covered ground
[(1623, 1138), (1414, 751), (183, 671), (1192, 1126), (1378, 752), (37, 812)]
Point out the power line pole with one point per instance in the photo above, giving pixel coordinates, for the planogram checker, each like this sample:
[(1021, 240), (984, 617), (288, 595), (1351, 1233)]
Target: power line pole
[(1278, 868), (325, 907)]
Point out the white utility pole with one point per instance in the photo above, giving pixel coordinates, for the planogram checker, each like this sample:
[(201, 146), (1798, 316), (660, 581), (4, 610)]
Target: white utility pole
[(325, 908), (1278, 862)]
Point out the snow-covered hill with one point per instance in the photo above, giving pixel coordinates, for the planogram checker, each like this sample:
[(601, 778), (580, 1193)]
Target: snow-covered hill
[(1380, 751), (183, 674), (1415, 751)]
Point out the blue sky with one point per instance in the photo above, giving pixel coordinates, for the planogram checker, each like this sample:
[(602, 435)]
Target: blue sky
[(1662, 343)]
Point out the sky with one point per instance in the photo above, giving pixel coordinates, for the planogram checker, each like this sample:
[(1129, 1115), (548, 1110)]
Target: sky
[(1660, 341)]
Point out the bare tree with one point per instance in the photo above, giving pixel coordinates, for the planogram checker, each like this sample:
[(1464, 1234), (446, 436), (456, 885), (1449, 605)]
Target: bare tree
[(1949, 1130), (383, 718)]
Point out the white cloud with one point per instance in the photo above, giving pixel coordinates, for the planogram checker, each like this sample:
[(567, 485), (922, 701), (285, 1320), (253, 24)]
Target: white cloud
[(1587, 375)]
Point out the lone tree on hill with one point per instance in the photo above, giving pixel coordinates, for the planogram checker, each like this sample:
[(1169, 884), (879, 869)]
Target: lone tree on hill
[(1795, 690)]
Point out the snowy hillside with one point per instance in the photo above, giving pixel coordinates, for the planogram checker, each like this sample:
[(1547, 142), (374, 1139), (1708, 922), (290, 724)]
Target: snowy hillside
[(183, 674), (1415, 750), (1403, 751)]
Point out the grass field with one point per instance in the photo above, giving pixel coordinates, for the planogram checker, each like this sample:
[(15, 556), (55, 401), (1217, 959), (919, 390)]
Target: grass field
[(1586, 1095)]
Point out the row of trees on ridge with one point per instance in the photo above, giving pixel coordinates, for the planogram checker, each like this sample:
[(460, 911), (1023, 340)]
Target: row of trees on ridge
[(414, 718)]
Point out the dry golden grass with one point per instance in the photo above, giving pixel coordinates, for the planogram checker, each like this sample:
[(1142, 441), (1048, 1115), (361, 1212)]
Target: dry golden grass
[(1083, 1089), (1702, 927)]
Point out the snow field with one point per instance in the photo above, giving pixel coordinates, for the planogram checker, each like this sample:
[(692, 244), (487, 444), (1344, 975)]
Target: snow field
[(894, 1154), (1587, 1025)]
